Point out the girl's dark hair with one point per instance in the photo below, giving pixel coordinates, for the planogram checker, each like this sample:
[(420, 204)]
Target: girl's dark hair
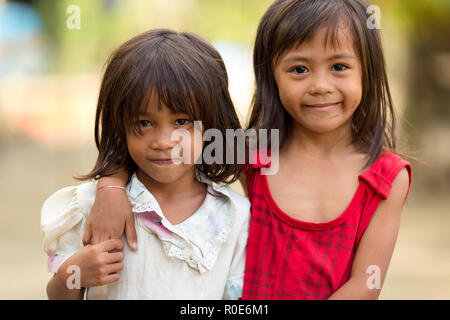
[(187, 74), (288, 23)]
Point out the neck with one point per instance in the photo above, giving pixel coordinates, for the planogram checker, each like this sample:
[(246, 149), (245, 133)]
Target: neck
[(314, 144)]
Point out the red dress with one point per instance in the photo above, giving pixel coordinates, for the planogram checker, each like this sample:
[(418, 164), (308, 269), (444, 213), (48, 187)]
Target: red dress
[(292, 259)]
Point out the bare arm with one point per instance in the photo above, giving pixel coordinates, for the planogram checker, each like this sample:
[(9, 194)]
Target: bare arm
[(58, 290), (111, 213), (376, 246)]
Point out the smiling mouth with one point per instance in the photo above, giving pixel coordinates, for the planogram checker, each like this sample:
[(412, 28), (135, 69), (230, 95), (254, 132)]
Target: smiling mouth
[(322, 106)]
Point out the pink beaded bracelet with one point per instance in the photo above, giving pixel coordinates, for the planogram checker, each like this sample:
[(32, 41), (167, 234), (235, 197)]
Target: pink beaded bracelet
[(112, 187)]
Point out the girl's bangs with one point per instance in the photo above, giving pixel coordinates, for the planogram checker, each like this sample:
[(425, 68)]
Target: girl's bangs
[(165, 85), (302, 22)]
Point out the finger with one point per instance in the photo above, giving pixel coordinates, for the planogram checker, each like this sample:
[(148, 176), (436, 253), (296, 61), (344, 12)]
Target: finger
[(111, 244), (114, 257), (110, 278), (130, 233), (113, 268), (87, 235)]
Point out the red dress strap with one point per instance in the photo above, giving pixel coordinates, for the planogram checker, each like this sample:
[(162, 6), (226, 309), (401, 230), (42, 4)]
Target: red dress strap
[(379, 178)]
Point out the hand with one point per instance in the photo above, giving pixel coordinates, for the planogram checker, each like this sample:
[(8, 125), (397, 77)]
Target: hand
[(110, 216), (99, 264)]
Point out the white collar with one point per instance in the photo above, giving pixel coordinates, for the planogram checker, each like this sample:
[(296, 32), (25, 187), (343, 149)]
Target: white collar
[(198, 239)]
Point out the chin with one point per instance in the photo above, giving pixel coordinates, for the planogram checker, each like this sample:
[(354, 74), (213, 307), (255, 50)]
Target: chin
[(161, 175), (320, 128), (326, 126), (164, 177), (324, 129)]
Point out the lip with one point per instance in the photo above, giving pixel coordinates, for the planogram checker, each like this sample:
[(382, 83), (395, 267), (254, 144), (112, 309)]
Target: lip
[(322, 106), (162, 162)]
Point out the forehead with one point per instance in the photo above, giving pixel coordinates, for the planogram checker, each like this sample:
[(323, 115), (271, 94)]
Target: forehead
[(324, 43)]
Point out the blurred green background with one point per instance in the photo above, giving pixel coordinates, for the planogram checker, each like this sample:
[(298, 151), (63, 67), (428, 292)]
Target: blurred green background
[(50, 72)]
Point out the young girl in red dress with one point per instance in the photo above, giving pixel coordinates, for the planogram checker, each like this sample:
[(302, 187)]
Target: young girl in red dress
[(324, 226)]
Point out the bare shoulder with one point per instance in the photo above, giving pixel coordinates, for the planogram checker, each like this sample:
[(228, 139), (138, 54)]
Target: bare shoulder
[(400, 186), (398, 194)]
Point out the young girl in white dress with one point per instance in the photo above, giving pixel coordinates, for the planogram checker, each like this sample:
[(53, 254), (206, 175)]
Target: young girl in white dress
[(192, 228)]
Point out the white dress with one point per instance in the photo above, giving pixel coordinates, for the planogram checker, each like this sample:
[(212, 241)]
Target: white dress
[(201, 258)]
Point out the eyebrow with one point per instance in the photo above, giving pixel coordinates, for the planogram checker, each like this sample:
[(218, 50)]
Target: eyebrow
[(333, 57)]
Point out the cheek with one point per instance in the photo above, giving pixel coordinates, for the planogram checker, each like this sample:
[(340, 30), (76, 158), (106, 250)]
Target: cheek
[(290, 94), (196, 145), (135, 148), (353, 92), (358, 86), (131, 151), (190, 148)]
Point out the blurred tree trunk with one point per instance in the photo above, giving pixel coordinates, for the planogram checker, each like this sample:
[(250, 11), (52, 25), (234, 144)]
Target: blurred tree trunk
[(428, 101)]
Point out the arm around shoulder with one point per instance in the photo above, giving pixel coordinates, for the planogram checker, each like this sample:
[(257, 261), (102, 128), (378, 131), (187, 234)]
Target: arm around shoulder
[(111, 213)]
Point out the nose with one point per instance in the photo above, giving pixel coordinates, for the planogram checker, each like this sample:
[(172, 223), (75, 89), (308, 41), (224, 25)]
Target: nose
[(161, 139), (321, 84)]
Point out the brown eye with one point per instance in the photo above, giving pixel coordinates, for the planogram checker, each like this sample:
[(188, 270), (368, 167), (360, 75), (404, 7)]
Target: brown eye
[(300, 69), (182, 122), (145, 123), (339, 67)]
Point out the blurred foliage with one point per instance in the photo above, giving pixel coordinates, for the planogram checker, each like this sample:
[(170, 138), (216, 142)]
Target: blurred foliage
[(429, 14), (107, 23), (427, 25), (424, 48)]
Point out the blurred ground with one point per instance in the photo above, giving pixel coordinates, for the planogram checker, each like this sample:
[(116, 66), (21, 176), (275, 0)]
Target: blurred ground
[(420, 267), (33, 173)]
